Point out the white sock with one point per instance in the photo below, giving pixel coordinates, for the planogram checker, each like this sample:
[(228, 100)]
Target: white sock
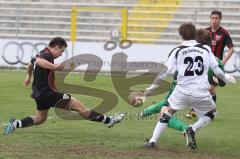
[(157, 131), (202, 122), (15, 123), (104, 119), (215, 113), (19, 122)]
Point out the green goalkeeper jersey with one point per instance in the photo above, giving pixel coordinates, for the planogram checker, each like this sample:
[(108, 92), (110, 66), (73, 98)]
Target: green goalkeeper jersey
[(211, 75), (220, 65)]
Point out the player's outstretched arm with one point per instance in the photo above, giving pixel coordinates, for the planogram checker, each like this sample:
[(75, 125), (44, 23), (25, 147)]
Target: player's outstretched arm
[(148, 91), (220, 74), (216, 69), (161, 76), (29, 74), (171, 67)]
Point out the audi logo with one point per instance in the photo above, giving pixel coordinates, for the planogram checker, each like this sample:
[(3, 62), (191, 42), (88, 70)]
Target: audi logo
[(23, 54), (111, 45), (236, 64)]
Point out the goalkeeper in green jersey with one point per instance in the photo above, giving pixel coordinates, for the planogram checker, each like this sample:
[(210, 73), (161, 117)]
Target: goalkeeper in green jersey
[(156, 108)]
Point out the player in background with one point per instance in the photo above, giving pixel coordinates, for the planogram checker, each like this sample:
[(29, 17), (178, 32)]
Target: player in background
[(45, 93), (220, 39), (192, 61)]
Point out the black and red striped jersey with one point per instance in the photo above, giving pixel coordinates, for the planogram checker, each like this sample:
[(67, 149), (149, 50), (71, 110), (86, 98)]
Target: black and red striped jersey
[(220, 39), (43, 83)]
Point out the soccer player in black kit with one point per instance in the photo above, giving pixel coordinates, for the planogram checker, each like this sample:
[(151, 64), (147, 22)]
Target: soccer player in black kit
[(220, 39), (45, 93)]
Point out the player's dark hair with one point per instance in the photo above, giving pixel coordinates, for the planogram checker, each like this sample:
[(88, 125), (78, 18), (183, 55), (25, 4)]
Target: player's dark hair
[(187, 31), (58, 41), (204, 37), (217, 12)]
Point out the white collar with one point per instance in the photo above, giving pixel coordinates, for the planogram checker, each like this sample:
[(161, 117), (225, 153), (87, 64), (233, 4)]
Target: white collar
[(189, 42)]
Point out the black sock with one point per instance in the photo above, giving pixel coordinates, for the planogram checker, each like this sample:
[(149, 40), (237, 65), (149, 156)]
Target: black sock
[(26, 122), (214, 97), (95, 116)]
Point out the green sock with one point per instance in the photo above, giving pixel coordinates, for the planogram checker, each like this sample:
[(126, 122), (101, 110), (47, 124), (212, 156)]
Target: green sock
[(177, 124), (156, 108)]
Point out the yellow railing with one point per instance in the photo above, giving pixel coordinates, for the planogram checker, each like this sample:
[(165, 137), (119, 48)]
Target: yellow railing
[(73, 24), (74, 12)]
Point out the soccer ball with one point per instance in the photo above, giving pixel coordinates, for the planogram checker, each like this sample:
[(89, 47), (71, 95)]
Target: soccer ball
[(133, 100)]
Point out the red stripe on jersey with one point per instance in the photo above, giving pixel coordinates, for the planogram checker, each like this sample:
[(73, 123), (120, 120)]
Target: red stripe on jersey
[(214, 44), (220, 39), (219, 47)]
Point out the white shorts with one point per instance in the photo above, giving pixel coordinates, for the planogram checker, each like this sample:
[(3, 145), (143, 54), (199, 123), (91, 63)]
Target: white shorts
[(201, 105)]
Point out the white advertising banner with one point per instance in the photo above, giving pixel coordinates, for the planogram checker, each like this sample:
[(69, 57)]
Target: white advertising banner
[(16, 53)]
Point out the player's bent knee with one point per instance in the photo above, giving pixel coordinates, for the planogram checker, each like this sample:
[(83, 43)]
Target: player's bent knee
[(165, 117), (164, 109), (210, 114), (39, 120), (64, 102)]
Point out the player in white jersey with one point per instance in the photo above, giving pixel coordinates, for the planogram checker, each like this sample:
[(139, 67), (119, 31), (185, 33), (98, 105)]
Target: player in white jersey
[(192, 61)]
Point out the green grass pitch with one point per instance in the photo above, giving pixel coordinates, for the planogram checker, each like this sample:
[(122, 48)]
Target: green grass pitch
[(59, 138)]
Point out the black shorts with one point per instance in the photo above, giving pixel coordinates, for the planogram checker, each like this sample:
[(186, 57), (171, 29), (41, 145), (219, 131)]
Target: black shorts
[(48, 102)]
